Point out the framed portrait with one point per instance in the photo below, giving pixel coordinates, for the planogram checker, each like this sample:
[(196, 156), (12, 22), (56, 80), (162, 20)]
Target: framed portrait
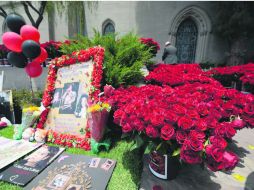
[(6, 105), (73, 83)]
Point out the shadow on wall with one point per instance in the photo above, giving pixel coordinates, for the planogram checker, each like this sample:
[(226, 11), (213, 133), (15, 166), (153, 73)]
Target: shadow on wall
[(16, 78)]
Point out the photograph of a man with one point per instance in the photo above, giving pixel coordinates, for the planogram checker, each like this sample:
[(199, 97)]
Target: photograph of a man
[(69, 98)]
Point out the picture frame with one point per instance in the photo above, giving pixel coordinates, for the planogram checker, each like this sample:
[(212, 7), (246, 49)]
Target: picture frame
[(6, 105), (76, 78)]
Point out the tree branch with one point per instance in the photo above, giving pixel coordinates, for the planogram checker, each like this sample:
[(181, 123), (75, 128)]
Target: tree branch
[(3, 13), (41, 10), (28, 12), (30, 5)]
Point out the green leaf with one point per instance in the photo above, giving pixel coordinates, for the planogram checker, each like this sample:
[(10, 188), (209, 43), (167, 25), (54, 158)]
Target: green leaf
[(139, 141), (149, 148), (176, 152), (206, 143), (125, 135)]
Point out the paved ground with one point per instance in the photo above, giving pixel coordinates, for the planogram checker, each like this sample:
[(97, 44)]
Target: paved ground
[(192, 177)]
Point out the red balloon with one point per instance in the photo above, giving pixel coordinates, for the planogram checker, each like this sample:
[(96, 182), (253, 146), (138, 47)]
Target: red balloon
[(33, 69), (28, 32), (12, 41), (42, 57)]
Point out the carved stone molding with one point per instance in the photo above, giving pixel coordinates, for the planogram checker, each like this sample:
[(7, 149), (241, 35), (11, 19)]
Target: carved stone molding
[(203, 23)]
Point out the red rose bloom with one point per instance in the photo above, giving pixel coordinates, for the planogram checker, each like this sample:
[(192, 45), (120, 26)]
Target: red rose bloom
[(230, 160), (185, 123), (190, 156), (181, 136), (167, 132), (152, 132)]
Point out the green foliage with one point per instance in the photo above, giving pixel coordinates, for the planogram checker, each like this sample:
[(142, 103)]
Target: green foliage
[(24, 98), (124, 57), (234, 19)]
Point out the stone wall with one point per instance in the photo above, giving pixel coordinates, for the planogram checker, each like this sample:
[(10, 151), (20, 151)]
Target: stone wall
[(16, 78)]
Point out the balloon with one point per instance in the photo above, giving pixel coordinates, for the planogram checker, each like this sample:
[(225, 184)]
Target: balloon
[(31, 49), (28, 32), (33, 69), (17, 59), (14, 22), (12, 41), (42, 57)]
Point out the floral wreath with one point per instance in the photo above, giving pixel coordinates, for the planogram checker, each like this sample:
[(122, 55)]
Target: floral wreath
[(95, 53)]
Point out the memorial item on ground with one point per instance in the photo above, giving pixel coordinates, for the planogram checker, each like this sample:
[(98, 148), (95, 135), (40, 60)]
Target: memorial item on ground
[(6, 105), (97, 120), (23, 171), (70, 171), (73, 84), (28, 134), (12, 150), (29, 116), (194, 119)]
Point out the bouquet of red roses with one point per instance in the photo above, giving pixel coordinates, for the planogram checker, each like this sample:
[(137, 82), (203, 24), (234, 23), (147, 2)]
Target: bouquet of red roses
[(195, 119)]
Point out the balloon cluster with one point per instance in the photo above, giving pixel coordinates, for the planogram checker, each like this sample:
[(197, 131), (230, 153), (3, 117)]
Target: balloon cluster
[(24, 44)]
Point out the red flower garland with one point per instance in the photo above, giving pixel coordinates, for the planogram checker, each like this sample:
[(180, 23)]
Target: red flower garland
[(97, 53)]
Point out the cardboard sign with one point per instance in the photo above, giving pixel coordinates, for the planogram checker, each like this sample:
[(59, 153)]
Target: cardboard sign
[(69, 104), (12, 150), (70, 172), (26, 169)]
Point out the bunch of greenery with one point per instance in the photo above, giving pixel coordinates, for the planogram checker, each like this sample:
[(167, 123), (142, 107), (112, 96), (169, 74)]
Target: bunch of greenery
[(124, 57), (24, 98)]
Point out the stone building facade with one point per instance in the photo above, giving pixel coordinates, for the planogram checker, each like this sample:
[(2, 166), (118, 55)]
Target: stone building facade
[(188, 25)]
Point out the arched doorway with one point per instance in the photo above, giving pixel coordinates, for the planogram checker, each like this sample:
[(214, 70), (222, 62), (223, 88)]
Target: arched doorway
[(186, 41)]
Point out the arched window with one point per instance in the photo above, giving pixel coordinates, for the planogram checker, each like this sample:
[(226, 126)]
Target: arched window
[(108, 27), (186, 41), (199, 22)]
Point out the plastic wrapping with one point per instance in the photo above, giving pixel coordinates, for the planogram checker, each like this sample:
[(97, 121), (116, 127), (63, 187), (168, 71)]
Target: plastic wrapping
[(97, 123)]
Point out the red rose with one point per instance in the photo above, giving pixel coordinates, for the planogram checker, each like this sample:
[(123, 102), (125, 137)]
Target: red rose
[(167, 132), (201, 125), (126, 128), (230, 160), (196, 145), (202, 110), (181, 136), (218, 142), (238, 123), (185, 123), (178, 109), (190, 156), (117, 116), (215, 152), (152, 132)]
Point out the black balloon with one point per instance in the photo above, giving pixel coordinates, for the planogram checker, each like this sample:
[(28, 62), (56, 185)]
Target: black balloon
[(31, 49), (15, 22), (17, 59)]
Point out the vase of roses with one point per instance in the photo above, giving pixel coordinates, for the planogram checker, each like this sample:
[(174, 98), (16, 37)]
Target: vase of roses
[(163, 162)]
